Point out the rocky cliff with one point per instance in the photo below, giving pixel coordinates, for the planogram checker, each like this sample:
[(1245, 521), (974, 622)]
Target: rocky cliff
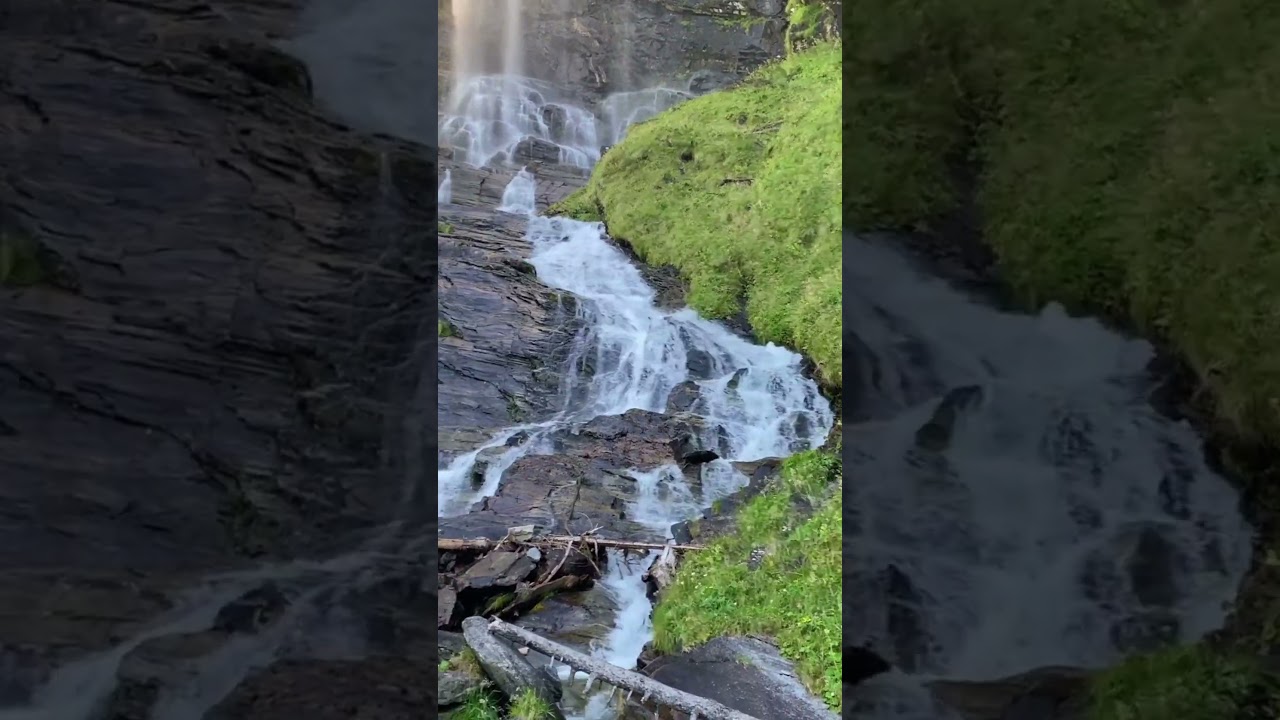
[(215, 350)]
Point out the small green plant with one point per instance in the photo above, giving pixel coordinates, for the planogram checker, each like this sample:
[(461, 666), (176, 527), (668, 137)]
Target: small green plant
[(794, 594), (1187, 683), (740, 190), (19, 260), (499, 603), (481, 704), (446, 329), (529, 705), (444, 228)]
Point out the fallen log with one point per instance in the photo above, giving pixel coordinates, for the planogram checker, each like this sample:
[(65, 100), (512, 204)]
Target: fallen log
[(531, 595), (662, 573), (485, 544), (650, 689)]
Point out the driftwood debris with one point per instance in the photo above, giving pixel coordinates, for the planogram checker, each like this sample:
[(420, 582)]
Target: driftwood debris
[(650, 689), (529, 595), (662, 572), (484, 544)]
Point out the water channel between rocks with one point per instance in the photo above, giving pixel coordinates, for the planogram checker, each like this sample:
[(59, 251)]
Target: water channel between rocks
[(745, 401)]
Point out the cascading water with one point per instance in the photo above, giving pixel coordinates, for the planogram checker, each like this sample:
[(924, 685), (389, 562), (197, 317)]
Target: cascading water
[(1019, 504), (444, 194), (757, 398), (519, 195), (496, 114)]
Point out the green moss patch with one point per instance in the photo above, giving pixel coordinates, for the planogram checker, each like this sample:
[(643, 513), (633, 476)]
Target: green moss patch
[(1187, 683), (794, 593), (19, 260), (528, 705), (740, 191), (1125, 156)]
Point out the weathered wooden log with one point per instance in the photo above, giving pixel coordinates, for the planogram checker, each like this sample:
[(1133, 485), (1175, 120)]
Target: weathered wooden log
[(485, 544), (530, 595), (662, 572), (650, 689)]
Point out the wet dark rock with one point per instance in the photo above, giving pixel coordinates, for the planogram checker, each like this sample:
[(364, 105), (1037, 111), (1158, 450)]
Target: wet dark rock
[(705, 81), (535, 150), (508, 669), (455, 686), (618, 46), (449, 644), (231, 327), (497, 570), (252, 611), (684, 397), (721, 518), (448, 613), (1154, 568), (376, 688), (585, 484), (935, 435), (1052, 693), (860, 663), (746, 674), (885, 613), (736, 379), (148, 668), (689, 450), (699, 364), (514, 333), (578, 619)]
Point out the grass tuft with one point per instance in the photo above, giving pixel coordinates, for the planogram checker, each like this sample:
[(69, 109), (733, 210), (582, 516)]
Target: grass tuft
[(740, 190), (528, 705), (795, 594), (1125, 156), (1187, 683)]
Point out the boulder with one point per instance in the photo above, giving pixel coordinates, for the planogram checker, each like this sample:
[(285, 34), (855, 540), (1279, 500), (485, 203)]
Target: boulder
[(1052, 693), (746, 674), (508, 669)]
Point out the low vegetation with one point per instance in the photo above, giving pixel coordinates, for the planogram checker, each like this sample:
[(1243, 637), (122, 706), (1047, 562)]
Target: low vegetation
[(446, 329), (794, 593), (19, 260), (1123, 155), (1190, 683), (740, 190)]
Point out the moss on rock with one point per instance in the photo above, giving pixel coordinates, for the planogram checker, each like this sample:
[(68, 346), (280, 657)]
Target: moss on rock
[(792, 592), (1189, 683), (740, 191), (1125, 155)]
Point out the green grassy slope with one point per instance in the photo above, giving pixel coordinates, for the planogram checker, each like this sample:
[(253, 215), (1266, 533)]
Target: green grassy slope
[(740, 190), (1128, 155)]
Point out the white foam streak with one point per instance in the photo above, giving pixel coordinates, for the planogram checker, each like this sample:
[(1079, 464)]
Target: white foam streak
[(444, 194), (519, 196)]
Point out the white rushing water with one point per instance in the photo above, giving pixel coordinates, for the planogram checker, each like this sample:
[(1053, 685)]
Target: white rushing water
[(444, 193), (1063, 522), (757, 398), (640, 355), (519, 196)]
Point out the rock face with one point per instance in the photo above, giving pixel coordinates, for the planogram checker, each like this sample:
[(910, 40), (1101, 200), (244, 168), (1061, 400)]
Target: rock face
[(584, 484), (1053, 693), (222, 357), (745, 674), (602, 46)]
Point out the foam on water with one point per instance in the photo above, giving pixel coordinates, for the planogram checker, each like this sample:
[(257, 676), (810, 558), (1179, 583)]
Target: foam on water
[(756, 396), (518, 197), (1019, 503), (757, 399), (444, 194)]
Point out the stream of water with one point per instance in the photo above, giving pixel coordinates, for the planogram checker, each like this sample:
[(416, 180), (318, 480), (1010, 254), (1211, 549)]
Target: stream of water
[(1017, 502), (756, 396)]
